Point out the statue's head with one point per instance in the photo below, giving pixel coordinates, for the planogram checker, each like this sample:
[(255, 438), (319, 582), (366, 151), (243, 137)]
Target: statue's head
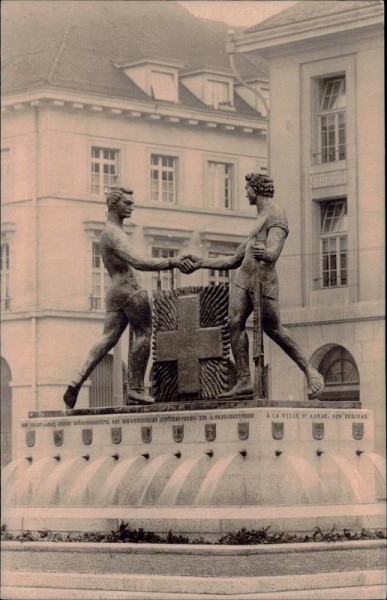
[(115, 194), (261, 184)]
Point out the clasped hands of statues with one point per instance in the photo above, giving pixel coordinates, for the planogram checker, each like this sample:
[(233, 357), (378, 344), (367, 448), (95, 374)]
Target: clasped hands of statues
[(190, 263)]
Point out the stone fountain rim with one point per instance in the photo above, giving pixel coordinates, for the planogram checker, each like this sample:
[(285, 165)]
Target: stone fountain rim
[(197, 549)]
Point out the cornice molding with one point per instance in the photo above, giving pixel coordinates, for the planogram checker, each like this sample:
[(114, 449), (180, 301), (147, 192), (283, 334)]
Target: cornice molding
[(172, 113), (271, 38)]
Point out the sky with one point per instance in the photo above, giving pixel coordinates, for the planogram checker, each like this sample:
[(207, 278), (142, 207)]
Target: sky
[(242, 13)]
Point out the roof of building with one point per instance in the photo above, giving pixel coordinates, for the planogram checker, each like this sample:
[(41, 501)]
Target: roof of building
[(75, 45), (311, 9)]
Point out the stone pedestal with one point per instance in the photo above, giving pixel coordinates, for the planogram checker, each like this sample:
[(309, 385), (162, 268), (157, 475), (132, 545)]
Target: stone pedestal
[(200, 472)]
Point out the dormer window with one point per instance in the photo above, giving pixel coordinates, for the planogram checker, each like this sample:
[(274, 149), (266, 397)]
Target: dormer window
[(163, 86), (214, 87), (156, 77)]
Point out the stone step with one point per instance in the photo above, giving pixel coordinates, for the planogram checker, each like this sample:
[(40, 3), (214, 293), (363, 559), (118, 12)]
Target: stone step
[(66, 586)]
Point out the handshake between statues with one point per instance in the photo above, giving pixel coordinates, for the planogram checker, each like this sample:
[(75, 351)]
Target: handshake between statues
[(189, 263)]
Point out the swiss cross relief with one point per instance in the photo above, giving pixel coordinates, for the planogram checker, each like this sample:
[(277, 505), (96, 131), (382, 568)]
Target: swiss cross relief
[(191, 343)]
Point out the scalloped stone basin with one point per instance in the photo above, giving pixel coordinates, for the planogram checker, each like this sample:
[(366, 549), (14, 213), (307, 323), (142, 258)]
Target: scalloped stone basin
[(234, 458)]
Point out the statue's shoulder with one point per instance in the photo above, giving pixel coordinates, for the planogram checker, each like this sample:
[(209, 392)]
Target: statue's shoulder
[(277, 217)]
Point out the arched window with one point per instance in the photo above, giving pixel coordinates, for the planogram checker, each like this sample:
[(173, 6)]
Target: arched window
[(6, 413), (101, 391), (340, 373)]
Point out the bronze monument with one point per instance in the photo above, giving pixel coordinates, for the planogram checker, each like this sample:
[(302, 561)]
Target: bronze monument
[(257, 257), (126, 301)]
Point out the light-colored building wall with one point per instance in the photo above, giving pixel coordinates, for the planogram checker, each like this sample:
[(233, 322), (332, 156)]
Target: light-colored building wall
[(352, 315), (51, 218)]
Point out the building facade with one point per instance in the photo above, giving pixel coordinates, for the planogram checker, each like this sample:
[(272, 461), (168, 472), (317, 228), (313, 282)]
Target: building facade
[(327, 161), (84, 111)]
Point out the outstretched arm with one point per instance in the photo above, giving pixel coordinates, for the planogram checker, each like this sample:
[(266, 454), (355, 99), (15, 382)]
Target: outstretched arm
[(275, 242), (121, 246)]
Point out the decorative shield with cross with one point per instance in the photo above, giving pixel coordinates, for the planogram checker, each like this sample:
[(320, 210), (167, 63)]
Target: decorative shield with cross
[(178, 433), (116, 435), (87, 436), (191, 343), (146, 434), (277, 430), (243, 431), (318, 431), (210, 431), (58, 437), (30, 438), (358, 431)]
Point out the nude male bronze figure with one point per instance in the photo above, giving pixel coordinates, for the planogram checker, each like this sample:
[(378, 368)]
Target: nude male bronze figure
[(126, 300), (257, 256)]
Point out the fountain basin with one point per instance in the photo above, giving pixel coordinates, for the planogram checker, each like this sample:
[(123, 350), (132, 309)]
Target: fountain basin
[(196, 471)]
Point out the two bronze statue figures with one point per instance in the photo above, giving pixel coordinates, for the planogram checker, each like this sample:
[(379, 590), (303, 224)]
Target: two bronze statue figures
[(255, 289)]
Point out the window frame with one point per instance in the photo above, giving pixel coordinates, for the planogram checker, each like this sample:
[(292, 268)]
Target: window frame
[(102, 185), (337, 236), (219, 179), (333, 115), (175, 170)]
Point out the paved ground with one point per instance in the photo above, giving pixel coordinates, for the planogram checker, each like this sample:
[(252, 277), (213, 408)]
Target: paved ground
[(200, 566)]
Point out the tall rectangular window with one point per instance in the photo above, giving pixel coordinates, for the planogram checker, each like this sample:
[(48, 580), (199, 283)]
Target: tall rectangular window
[(220, 179), (104, 169), (164, 280), (163, 178), (4, 274), (100, 280), (334, 243), (332, 119)]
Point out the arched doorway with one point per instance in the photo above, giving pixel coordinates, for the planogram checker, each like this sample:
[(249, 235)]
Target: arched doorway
[(6, 413), (101, 391), (340, 372)]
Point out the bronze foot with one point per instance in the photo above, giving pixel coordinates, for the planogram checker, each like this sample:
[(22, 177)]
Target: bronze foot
[(243, 387), (71, 395), (315, 382), (139, 396)]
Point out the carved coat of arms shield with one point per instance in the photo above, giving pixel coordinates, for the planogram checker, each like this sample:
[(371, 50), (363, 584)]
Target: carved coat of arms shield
[(178, 433), (146, 434), (277, 430), (243, 431), (318, 431), (30, 439), (210, 431), (358, 431), (58, 437), (87, 436), (116, 435)]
